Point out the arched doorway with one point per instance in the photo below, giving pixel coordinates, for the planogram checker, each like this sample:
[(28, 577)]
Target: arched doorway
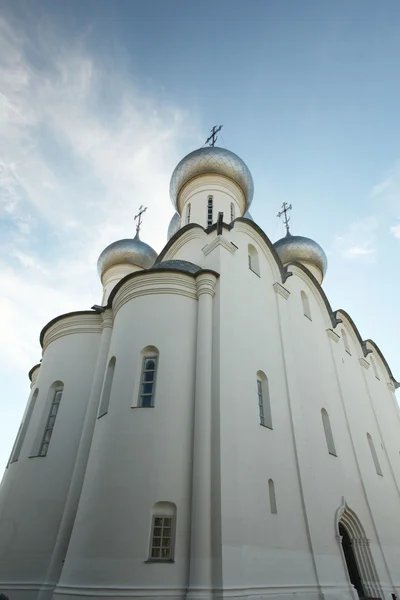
[(351, 561), (356, 554)]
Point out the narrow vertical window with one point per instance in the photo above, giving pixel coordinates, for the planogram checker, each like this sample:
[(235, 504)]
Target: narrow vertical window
[(189, 208), (264, 404), (48, 431), (306, 305), (345, 341), (328, 432), (254, 264), (108, 381), (209, 211), (163, 532), (272, 497), (23, 428), (373, 363), (232, 211), (148, 379), (374, 455)]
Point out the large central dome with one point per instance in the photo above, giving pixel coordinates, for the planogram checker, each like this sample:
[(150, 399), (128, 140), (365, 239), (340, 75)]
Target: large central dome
[(209, 160)]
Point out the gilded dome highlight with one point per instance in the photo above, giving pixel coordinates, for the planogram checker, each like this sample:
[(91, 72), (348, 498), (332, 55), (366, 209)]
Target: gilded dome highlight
[(209, 160)]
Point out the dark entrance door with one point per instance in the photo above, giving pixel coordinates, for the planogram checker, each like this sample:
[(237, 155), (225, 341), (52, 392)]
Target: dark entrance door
[(351, 560)]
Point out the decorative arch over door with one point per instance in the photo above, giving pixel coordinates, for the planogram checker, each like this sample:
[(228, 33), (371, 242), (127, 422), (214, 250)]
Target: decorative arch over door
[(356, 553)]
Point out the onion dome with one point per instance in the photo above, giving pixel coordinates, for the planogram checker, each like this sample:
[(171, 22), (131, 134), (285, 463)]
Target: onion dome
[(131, 251), (174, 226), (207, 161), (304, 250)]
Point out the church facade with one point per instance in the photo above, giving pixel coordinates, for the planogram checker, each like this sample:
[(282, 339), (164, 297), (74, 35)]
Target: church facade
[(213, 429)]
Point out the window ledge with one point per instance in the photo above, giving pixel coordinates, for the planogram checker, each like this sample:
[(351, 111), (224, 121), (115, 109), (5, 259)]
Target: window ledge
[(37, 456), (255, 272), (332, 454), (267, 426), (307, 317), (159, 560), (142, 406), (348, 352)]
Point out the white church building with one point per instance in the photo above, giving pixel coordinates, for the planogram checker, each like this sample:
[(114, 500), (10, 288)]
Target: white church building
[(211, 430)]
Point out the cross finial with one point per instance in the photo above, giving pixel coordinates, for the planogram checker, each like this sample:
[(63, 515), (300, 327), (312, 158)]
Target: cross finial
[(284, 212), (213, 137), (138, 218)]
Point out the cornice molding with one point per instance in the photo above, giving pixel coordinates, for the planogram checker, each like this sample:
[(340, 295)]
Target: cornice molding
[(70, 325), (333, 335), (219, 241), (282, 291), (188, 236), (159, 282)]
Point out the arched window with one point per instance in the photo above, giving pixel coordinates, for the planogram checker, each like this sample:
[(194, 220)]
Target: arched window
[(373, 363), (374, 455), (23, 428), (210, 202), (148, 377), (264, 404), (162, 541), (232, 211), (254, 264), (108, 381), (272, 497), (328, 432), (306, 305), (189, 207), (345, 341), (56, 390)]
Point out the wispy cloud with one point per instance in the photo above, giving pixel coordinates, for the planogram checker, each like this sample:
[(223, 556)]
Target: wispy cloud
[(359, 241), (395, 230), (387, 191), (81, 147)]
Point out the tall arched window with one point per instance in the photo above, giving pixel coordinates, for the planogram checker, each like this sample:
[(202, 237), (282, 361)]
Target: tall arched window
[(373, 363), (210, 202), (23, 428), (162, 541), (148, 377), (345, 341), (56, 390), (264, 403), (254, 264), (374, 454), (189, 208), (306, 305), (328, 432), (108, 381), (272, 497), (232, 211)]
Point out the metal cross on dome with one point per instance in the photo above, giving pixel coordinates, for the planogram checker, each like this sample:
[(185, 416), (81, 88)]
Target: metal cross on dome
[(284, 211), (138, 217), (213, 137)]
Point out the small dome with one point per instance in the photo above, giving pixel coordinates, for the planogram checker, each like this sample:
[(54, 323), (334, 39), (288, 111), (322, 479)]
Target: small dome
[(179, 265), (205, 161), (301, 249), (174, 226), (130, 251)]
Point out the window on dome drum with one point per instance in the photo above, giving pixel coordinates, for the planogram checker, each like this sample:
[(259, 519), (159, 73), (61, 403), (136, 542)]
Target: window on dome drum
[(23, 428), (264, 404), (108, 381), (328, 432), (373, 363), (374, 455), (210, 202), (189, 208), (272, 497), (346, 341), (48, 431), (148, 381), (254, 263), (232, 211), (306, 305), (163, 532)]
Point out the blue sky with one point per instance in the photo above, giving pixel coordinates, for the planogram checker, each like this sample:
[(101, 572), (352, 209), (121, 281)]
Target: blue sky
[(99, 100)]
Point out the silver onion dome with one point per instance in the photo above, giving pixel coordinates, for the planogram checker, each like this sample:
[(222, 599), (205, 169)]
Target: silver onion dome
[(174, 226), (302, 249), (208, 160), (130, 251)]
